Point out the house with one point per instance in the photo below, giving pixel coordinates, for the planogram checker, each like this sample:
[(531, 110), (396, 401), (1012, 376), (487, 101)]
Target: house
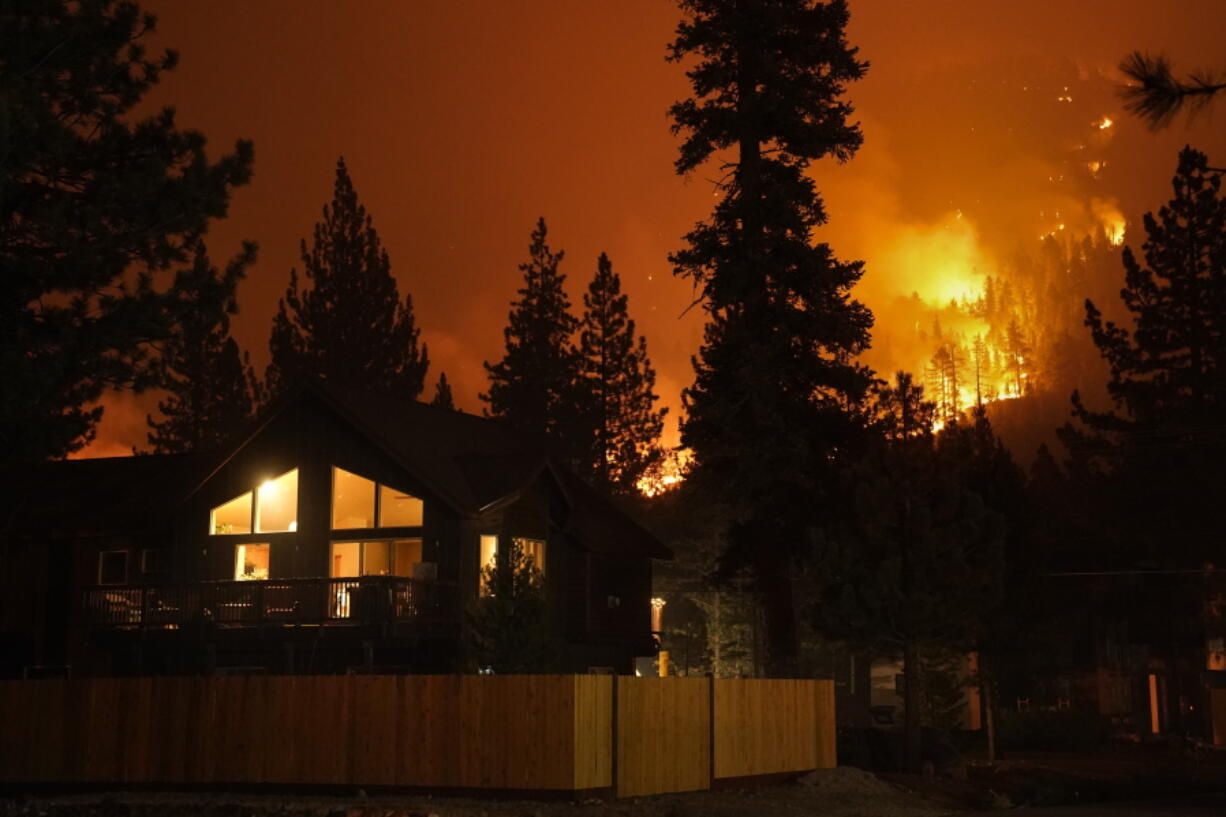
[(1140, 647), (344, 532)]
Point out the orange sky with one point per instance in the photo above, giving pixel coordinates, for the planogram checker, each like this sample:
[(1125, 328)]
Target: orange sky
[(461, 122)]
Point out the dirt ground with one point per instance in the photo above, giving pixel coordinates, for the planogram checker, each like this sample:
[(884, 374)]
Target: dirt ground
[(843, 792)]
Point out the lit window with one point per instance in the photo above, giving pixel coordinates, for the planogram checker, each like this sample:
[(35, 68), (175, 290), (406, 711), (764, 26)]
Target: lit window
[(489, 557), (346, 559), (376, 558), (381, 557), (353, 501), (408, 553), (534, 549), (251, 562), (232, 517), (112, 567), (397, 509), (276, 507)]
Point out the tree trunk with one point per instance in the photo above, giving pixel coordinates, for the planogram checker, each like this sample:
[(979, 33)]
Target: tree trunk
[(913, 737), (781, 636), (989, 718)]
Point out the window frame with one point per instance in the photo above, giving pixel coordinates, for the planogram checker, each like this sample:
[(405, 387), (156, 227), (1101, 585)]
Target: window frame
[(374, 504), (544, 551), (127, 558), (483, 587), (379, 529), (255, 505), (234, 574), (362, 542), (252, 525), (250, 492)]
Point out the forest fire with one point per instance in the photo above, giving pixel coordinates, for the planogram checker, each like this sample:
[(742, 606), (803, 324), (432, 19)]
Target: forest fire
[(977, 330)]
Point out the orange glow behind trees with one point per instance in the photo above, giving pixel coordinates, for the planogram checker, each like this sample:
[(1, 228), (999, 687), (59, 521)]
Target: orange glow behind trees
[(466, 122)]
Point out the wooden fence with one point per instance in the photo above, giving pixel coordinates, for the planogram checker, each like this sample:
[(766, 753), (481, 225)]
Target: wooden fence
[(561, 733)]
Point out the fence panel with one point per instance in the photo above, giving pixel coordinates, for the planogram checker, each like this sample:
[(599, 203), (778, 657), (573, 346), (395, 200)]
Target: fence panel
[(556, 732), (663, 735), (771, 726)]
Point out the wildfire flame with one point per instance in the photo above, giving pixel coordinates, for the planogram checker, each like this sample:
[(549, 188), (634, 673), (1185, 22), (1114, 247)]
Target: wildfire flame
[(669, 474), (1107, 213)]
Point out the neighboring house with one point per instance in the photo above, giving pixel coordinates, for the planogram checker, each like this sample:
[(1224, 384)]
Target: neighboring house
[(345, 532), (1140, 647)]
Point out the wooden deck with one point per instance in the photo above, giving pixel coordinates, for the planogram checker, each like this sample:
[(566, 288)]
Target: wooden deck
[(365, 600)]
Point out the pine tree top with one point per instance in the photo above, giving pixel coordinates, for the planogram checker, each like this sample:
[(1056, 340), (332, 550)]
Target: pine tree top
[(347, 322)]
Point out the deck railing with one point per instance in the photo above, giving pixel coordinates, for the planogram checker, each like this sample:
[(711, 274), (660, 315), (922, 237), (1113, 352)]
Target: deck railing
[(364, 600)]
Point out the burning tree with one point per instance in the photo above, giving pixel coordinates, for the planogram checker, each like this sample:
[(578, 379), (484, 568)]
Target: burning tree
[(776, 387)]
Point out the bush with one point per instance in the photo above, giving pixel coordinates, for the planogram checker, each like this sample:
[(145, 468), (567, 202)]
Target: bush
[(1052, 730)]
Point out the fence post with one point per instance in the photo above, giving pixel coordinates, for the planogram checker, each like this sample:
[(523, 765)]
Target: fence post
[(711, 728), (613, 678)]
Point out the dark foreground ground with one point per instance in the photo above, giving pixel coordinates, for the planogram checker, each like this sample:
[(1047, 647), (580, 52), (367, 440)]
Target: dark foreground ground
[(1123, 782), (833, 793), (1202, 805)]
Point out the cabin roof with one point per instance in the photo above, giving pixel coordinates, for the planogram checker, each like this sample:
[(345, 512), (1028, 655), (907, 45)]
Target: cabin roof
[(469, 462), (97, 497)]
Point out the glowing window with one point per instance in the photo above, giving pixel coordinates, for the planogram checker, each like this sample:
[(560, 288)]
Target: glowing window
[(232, 517), (346, 559), (353, 501), (397, 509), (376, 558), (251, 562), (408, 553), (489, 557), (276, 506), (381, 557), (534, 549)]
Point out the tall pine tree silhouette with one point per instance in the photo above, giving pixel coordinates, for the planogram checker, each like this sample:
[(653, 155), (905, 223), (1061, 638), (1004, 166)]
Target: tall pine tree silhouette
[(101, 197), (1159, 451), (534, 386), (442, 393), (772, 404), (212, 391), (348, 324), (619, 413)]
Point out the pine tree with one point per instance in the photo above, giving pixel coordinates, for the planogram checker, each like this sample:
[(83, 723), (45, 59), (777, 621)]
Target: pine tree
[(619, 413), (776, 387), (348, 324), (442, 393), (1156, 457), (508, 625), (534, 386), (1017, 352), (1157, 96), (212, 392), (97, 205), (919, 562), (902, 412)]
